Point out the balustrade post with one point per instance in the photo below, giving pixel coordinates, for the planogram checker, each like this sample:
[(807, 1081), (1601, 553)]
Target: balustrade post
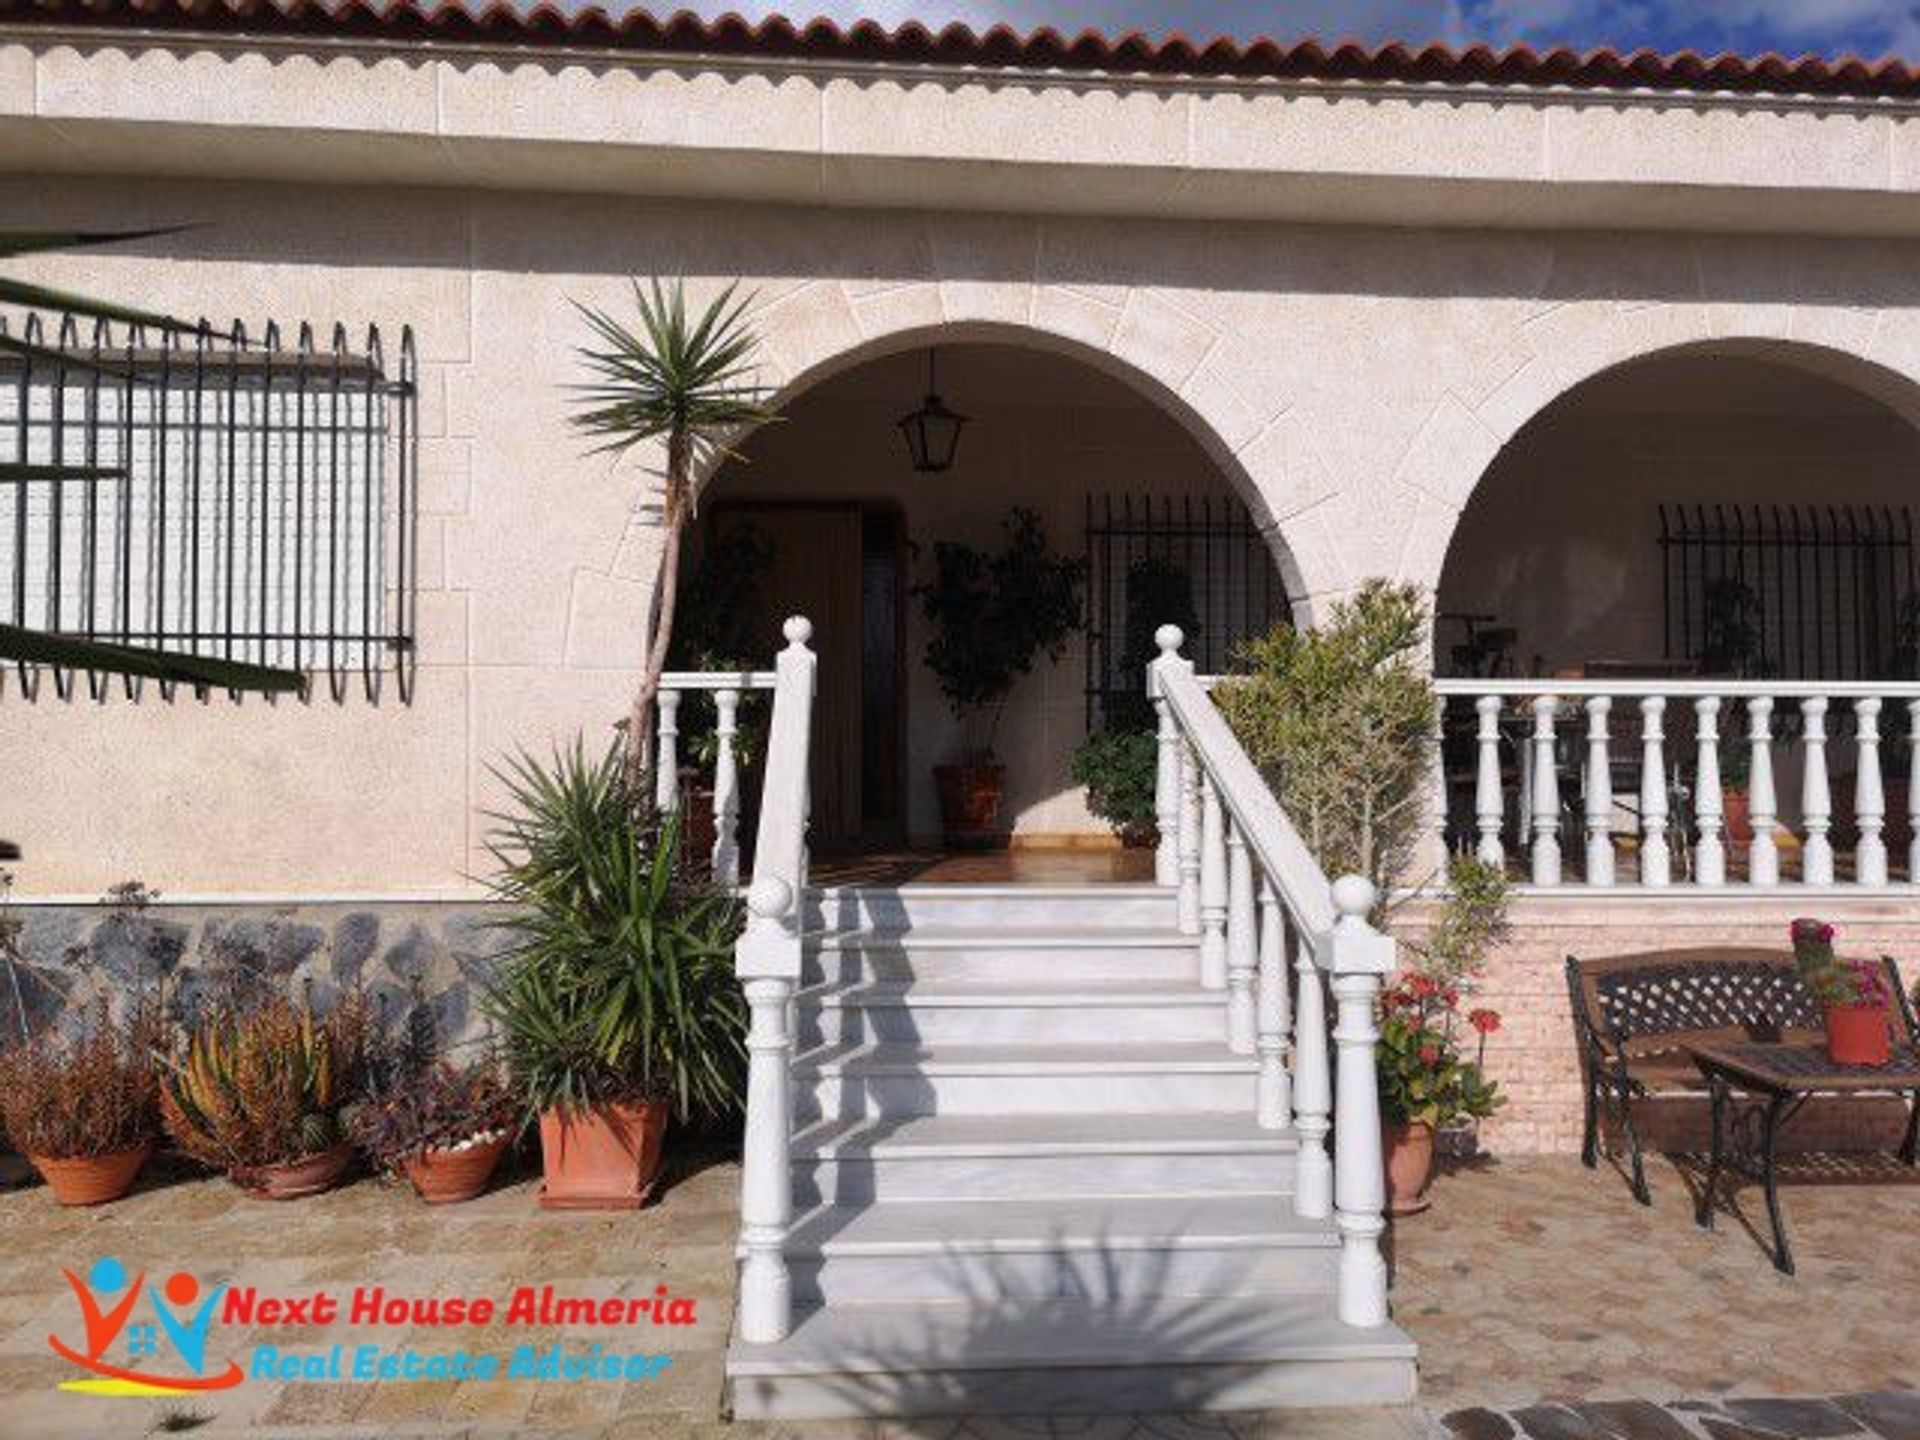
[(1816, 795), (726, 788), (1710, 854), (1437, 784), (1166, 772), (1242, 942), (1187, 901), (1763, 858), (768, 963), (1656, 860), (1312, 1089), (1213, 887), (666, 762), (1599, 794), (1546, 793), (1358, 957), (1913, 792), (1273, 1100), (1869, 795), (1489, 799)]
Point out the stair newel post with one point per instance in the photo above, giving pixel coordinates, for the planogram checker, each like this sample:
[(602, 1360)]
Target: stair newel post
[(1869, 794), (1358, 958), (767, 960), (1273, 1100), (1242, 943), (666, 763), (1166, 773), (1312, 1088), (726, 788), (1213, 886)]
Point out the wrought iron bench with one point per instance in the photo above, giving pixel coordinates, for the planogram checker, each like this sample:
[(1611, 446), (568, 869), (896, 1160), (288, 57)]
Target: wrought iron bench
[(1636, 1015)]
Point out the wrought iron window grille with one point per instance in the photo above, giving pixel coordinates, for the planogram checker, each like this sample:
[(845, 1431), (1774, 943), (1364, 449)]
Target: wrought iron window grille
[(202, 492)]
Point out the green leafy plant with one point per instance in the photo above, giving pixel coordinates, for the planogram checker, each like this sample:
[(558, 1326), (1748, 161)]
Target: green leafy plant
[(267, 1083), (88, 1090), (687, 381), (1340, 719), (1836, 983), (618, 985), (1118, 769), (992, 616)]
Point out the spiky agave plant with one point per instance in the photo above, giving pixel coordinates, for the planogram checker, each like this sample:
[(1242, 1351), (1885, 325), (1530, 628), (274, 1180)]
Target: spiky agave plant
[(268, 1084), (687, 381)]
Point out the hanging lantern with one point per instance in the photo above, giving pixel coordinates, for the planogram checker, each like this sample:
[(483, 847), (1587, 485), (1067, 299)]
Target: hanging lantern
[(932, 431)]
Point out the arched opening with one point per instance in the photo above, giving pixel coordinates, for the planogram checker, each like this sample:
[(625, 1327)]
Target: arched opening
[(824, 514), (1685, 561)]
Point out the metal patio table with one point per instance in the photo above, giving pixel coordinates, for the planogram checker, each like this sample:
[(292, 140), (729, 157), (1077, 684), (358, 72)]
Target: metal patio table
[(1783, 1077)]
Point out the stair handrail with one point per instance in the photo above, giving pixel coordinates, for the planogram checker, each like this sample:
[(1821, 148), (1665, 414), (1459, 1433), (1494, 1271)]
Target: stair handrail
[(767, 960), (1226, 833)]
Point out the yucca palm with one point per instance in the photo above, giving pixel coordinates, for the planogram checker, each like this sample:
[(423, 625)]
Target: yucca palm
[(686, 381)]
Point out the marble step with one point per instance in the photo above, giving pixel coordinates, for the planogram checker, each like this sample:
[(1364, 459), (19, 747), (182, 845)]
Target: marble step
[(986, 1157), (1155, 1354), (893, 1080), (1000, 1012), (925, 907), (996, 955), (1102, 1248)]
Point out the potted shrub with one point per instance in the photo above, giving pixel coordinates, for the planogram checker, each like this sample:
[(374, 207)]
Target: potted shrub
[(83, 1106), (1854, 995), (1426, 1083), (989, 617), (616, 1002), (1118, 768), (261, 1090), (443, 1126)]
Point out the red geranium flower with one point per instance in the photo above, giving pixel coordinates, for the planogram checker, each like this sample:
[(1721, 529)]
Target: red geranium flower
[(1485, 1021), (1429, 1054)]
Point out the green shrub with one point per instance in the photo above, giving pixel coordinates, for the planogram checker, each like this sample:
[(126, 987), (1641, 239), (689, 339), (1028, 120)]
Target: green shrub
[(1118, 767)]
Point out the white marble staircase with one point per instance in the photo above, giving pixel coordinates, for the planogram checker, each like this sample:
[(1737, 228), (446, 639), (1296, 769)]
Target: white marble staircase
[(1025, 1175)]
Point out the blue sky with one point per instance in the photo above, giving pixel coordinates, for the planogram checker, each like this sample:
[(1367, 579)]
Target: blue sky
[(1868, 27)]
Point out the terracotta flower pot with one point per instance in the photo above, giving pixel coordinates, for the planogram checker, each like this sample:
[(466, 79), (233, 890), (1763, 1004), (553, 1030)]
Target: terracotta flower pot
[(605, 1158), (1859, 1034), (1409, 1154), (91, 1179), (970, 804), (446, 1177), (295, 1179)]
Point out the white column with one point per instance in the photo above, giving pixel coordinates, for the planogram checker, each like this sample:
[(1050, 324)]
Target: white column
[(1546, 794), (666, 758), (1763, 861), (1869, 794), (1213, 887), (768, 960), (1656, 863), (1243, 943), (1816, 797), (1273, 1099), (1489, 800), (1599, 793), (1913, 792), (1710, 852), (1188, 899), (1312, 1090), (726, 789), (1358, 957), (1166, 773)]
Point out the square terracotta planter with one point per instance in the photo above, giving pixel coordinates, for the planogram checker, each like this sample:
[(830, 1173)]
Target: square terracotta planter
[(605, 1158)]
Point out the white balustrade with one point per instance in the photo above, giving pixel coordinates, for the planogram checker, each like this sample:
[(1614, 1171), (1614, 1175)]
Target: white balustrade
[(1312, 1089), (1187, 903), (1213, 886), (666, 753), (1166, 772), (728, 689), (1242, 943), (726, 786), (767, 960), (1358, 959), (1682, 808), (1273, 1013)]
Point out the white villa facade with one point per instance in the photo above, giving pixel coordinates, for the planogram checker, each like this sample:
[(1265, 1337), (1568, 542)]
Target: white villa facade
[(1488, 327)]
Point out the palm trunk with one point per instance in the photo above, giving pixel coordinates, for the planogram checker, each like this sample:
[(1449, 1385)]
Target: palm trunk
[(640, 758)]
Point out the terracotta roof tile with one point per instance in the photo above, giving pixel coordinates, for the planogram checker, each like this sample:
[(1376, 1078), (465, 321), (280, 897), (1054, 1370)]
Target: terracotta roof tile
[(683, 33)]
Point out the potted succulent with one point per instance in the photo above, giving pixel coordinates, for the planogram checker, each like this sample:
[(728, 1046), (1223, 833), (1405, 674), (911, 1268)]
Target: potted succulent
[(1854, 995), (261, 1090), (443, 1126), (83, 1105), (989, 617), (1118, 768), (616, 1002)]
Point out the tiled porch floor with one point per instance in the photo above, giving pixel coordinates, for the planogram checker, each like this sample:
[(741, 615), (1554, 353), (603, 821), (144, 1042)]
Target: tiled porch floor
[(1529, 1280)]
